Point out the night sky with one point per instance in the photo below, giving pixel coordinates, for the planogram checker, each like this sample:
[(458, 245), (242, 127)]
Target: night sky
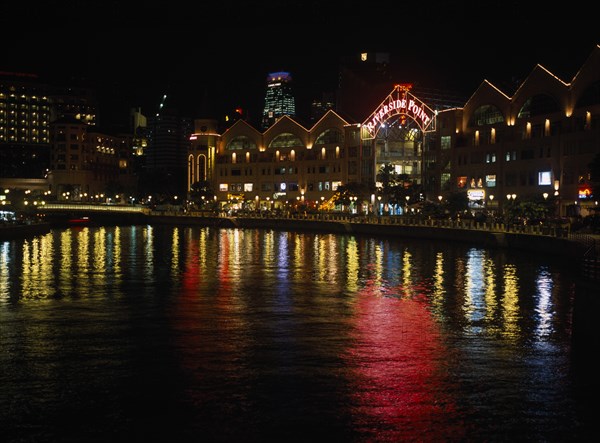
[(211, 59)]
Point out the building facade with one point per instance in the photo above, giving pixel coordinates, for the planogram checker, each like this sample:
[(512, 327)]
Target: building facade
[(87, 165), (537, 143), (496, 149)]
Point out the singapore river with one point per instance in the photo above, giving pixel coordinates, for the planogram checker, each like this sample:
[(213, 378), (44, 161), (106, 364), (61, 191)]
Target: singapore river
[(177, 334)]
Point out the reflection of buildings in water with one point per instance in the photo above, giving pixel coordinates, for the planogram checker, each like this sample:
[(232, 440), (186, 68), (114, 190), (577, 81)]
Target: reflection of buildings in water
[(397, 357), (544, 286), (510, 302), (352, 266), (474, 306)]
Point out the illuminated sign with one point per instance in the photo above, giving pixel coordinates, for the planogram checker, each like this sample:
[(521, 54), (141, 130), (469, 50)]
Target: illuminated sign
[(545, 178), (584, 192), (476, 194), (401, 103)]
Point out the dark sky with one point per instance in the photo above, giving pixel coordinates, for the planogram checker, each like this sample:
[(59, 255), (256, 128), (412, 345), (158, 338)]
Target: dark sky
[(215, 59)]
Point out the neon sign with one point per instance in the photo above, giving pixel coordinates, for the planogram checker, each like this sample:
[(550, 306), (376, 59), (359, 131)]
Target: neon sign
[(402, 104), (584, 192)]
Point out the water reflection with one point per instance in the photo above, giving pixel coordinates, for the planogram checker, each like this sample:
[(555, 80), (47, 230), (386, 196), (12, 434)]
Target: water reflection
[(369, 338)]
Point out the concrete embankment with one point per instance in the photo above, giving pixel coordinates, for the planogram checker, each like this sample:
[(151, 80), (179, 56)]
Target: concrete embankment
[(11, 231), (487, 238)]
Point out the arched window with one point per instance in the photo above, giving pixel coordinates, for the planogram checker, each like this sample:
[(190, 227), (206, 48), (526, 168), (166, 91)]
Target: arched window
[(486, 115), (285, 140), (540, 104), (329, 136), (241, 142)]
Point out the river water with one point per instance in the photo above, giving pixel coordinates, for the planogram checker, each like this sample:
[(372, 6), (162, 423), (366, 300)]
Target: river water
[(141, 333)]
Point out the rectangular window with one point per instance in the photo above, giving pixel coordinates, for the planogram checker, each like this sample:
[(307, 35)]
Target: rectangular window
[(527, 154), (490, 180), (510, 179), (445, 142), (248, 187), (223, 187)]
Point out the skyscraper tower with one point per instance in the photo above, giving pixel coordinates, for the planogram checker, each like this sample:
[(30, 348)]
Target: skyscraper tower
[(279, 99)]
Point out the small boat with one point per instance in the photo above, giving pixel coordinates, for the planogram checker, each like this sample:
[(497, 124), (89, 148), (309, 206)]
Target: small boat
[(79, 221)]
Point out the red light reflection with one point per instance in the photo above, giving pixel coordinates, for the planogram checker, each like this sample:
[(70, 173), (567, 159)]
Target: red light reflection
[(400, 388)]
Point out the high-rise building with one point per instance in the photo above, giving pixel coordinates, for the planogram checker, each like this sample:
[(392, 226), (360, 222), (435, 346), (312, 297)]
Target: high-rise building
[(363, 79), (28, 105), (24, 126), (319, 107), (279, 99), (168, 141)]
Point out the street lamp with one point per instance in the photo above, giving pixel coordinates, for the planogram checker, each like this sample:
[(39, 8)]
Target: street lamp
[(440, 199)]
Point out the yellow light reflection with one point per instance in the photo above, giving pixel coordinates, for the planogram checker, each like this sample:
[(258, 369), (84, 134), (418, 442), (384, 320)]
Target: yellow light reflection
[(37, 267), (352, 266), (175, 252), (116, 254), (490, 289), (438, 291), (510, 302), (66, 273), (4, 266), (407, 280), (299, 266)]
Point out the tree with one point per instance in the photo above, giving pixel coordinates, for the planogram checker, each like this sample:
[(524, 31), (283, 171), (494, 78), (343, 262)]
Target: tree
[(387, 177), (457, 202), (352, 189), (201, 191)]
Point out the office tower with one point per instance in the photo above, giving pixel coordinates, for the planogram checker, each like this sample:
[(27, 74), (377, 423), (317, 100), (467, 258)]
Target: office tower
[(279, 99), (364, 78), (168, 142), (319, 107)]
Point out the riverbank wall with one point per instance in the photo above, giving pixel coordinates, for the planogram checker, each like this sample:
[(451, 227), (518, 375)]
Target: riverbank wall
[(533, 240), (12, 231)]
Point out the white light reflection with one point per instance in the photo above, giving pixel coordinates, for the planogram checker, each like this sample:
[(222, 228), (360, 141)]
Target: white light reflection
[(148, 237), (474, 304), (544, 306)]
